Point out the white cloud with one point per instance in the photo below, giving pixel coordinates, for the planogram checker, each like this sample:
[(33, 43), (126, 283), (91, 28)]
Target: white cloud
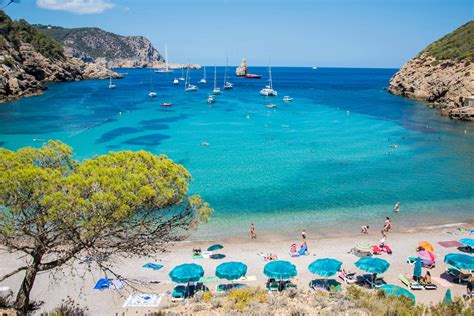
[(76, 6)]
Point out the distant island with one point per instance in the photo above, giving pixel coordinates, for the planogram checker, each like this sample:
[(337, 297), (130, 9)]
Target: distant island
[(442, 74), (29, 58)]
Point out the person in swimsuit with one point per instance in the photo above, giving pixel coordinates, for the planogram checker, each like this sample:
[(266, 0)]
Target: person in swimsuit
[(396, 208), (364, 229), (252, 232)]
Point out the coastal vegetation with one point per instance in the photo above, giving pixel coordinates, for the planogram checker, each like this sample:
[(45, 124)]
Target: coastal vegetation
[(17, 32), (56, 210), (457, 45)]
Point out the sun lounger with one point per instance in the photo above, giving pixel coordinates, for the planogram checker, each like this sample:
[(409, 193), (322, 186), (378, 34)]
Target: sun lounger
[(328, 285), (410, 284), (348, 277), (179, 293), (273, 287), (222, 288), (367, 278), (290, 285), (457, 275), (428, 286)]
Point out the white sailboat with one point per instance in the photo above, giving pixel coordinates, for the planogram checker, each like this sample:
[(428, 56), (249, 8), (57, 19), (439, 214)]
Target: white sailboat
[(203, 80), (216, 89), (152, 93), (227, 85), (182, 75), (188, 87), (268, 91), (111, 85), (166, 69)]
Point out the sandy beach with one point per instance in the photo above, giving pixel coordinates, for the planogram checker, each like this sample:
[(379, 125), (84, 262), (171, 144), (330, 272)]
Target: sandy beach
[(79, 284)]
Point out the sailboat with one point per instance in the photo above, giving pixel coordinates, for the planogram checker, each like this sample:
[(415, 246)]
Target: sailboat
[(203, 80), (268, 90), (216, 89), (227, 85), (111, 85), (166, 69), (182, 75), (188, 87), (152, 93)]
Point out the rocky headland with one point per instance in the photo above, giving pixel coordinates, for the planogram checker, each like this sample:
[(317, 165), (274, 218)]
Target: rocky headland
[(442, 75), (242, 70), (29, 59)]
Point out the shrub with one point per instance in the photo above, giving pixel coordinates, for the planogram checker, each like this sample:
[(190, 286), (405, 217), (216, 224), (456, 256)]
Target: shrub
[(206, 297), (240, 298)]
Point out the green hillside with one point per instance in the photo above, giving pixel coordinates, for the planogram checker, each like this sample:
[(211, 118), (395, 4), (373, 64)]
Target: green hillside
[(457, 45), (19, 31)]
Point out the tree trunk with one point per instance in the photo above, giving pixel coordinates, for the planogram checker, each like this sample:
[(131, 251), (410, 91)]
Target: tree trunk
[(23, 297)]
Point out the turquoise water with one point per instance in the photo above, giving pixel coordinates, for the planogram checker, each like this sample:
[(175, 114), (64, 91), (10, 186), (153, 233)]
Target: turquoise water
[(324, 162)]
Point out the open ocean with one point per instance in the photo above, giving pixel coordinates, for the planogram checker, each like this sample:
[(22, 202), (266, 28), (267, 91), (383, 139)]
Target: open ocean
[(326, 162)]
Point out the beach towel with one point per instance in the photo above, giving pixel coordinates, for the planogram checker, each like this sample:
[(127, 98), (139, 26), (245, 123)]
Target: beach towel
[(450, 244), (102, 284), (442, 282), (249, 278), (206, 254), (197, 256), (153, 266), (376, 250), (210, 279), (143, 300)]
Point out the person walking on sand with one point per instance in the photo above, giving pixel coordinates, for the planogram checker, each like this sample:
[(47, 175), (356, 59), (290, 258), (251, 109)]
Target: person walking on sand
[(387, 225), (252, 232), (303, 234), (384, 239), (396, 208)]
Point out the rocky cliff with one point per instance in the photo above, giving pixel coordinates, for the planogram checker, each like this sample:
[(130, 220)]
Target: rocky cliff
[(28, 59), (442, 74), (93, 44), (242, 69)]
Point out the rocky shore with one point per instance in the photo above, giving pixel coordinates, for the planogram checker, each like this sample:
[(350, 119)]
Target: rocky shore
[(441, 75)]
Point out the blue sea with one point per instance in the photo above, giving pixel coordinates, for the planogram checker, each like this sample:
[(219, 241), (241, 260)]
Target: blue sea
[(339, 156)]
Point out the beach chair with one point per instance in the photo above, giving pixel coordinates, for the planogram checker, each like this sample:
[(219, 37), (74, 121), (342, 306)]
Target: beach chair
[(411, 260), (373, 283), (457, 275), (327, 285), (200, 286), (347, 277), (179, 293), (428, 286), (410, 284), (317, 284), (290, 285), (273, 287)]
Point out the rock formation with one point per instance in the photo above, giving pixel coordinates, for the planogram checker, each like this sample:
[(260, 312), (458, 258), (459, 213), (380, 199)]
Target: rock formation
[(92, 44), (242, 69), (24, 69), (442, 74)]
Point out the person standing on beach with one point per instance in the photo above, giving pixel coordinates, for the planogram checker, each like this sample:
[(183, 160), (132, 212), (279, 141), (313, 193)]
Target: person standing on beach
[(387, 225), (303, 234), (252, 232), (384, 239), (396, 208)]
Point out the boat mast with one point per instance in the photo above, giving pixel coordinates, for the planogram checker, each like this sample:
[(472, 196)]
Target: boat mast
[(270, 75), (225, 72), (215, 72)]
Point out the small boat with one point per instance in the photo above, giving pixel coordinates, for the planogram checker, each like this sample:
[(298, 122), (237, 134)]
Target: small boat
[(205, 144), (166, 69), (175, 81), (271, 105), (166, 104), (268, 91), (211, 99), (111, 85), (227, 85), (314, 68), (203, 80), (253, 76), (216, 90), (287, 98), (152, 94), (188, 87)]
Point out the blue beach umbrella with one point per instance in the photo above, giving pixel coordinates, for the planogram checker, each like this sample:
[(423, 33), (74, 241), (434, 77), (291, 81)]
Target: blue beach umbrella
[(185, 273), (215, 247), (231, 270), (372, 265), (460, 261), (417, 270), (447, 297), (280, 270), (468, 242), (393, 290), (325, 267)]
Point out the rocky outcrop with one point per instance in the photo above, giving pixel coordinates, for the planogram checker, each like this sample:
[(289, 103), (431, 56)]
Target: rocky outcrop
[(93, 44), (242, 69), (24, 71), (442, 75)]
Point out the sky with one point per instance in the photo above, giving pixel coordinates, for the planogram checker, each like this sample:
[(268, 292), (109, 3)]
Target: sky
[(324, 33)]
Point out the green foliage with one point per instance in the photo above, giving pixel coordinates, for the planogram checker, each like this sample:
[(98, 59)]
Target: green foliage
[(457, 45), (207, 296), (240, 298), (20, 31)]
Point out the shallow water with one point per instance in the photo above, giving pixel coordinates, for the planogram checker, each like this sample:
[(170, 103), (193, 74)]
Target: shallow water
[(324, 162)]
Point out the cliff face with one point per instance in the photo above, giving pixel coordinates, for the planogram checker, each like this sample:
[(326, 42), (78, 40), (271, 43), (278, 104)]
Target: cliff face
[(108, 49), (442, 74), (29, 59)]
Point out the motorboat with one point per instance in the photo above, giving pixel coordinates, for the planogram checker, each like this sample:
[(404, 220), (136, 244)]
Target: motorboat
[(175, 81), (287, 98), (211, 99), (271, 105), (152, 94), (166, 104)]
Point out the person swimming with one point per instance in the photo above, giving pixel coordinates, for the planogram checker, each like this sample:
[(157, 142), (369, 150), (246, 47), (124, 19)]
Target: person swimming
[(396, 208)]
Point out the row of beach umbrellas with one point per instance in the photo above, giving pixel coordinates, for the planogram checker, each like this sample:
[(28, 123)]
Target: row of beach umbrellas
[(325, 267)]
